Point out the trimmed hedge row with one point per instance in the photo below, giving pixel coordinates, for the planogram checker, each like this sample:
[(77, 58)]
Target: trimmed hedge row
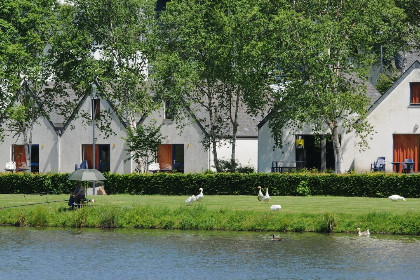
[(279, 184), (25, 183)]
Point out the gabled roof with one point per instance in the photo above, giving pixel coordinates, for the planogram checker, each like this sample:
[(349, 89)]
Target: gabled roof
[(26, 89), (60, 124), (415, 65), (371, 92), (247, 123)]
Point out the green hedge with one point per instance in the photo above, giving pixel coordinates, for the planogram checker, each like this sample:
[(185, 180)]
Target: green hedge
[(367, 184)]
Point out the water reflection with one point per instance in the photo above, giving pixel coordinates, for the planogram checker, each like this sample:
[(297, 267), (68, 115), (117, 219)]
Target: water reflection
[(155, 254)]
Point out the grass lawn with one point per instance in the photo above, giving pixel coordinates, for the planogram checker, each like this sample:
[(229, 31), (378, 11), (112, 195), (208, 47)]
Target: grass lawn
[(289, 204), (310, 213)]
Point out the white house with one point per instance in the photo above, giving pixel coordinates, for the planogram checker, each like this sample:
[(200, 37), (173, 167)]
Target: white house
[(59, 145), (44, 149), (395, 117)]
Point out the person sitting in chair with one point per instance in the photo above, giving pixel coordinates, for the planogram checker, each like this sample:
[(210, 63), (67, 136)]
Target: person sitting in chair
[(78, 194)]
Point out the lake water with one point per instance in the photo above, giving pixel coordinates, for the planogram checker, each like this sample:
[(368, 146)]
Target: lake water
[(30, 253)]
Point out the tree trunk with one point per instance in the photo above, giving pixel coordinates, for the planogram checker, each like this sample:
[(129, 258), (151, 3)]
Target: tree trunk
[(215, 159), (233, 155), (234, 132), (337, 148), (27, 142), (133, 128)]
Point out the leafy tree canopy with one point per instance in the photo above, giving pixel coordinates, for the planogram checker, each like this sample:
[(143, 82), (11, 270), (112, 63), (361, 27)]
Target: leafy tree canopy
[(210, 61), (104, 41), (324, 49)]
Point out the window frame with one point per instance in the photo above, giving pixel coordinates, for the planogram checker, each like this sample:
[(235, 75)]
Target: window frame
[(96, 108), (166, 112), (417, 92)]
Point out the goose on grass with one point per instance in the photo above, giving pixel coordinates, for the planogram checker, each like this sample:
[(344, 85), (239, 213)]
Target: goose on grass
[(396, 197), (260, 194), (266, 197)]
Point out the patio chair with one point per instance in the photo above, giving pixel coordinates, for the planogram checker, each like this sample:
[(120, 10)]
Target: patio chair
[(408, 165), (10, 166), (84, 164), (154, 167), (378, 165)]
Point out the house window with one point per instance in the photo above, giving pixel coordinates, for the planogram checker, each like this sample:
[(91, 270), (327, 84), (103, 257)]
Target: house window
[(96, 108), (171, 157), (102, 156), (406, 146), (168, 113), (414, 93), (19, 157)]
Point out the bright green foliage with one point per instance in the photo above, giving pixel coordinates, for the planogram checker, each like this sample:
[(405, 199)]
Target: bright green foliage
[(211, 59), (324, 50), (411, 9), (25, 183), (385, 81), (238, 213), (362, 185), (104, 42), (143, 143), (25, 30)]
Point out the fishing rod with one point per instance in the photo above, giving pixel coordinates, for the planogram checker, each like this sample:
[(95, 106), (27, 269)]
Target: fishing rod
[(35, 203)]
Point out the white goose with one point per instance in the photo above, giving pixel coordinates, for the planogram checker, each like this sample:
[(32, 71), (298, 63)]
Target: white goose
[(275, 207), (266, 197), (396, 197), (260, 194), (200, 195), (361, 233), (190, 200)]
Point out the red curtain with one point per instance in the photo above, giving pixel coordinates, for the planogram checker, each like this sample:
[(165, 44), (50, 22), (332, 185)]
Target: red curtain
[(88, 155), (19, 156), (406, 146), (415, 93), (164, 156)]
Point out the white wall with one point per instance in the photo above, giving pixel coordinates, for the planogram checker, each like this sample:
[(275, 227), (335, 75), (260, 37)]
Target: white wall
[(246, 152), (45, 136), (267, 153), (393, 115), (80, 133), (195, 156), (287, 154)]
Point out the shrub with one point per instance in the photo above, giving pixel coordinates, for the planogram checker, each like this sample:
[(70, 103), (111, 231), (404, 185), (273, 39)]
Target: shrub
[(303, 188), (296, 183)]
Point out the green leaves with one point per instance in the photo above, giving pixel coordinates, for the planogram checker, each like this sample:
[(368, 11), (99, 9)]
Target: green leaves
[(104, 41), (25, 30), (324, 51), (211, 57), (143, 143)]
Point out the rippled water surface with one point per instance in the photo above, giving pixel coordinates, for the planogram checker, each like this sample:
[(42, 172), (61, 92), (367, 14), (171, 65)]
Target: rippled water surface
[(28, 253)]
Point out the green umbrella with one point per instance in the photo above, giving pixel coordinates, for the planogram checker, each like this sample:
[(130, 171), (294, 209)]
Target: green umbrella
[(87, 175)]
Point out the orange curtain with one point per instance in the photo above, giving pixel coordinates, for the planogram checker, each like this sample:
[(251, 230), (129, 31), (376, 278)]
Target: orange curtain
[(406, 146), (415, 93), (164, 155), (19, 156), (88, 155)]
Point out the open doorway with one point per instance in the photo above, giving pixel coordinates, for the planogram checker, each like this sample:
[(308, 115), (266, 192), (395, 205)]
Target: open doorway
[(171, 157), (314, 152), (102, 156), (19, 157)]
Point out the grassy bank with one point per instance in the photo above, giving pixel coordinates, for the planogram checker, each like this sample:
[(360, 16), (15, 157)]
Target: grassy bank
[(299, 214)]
